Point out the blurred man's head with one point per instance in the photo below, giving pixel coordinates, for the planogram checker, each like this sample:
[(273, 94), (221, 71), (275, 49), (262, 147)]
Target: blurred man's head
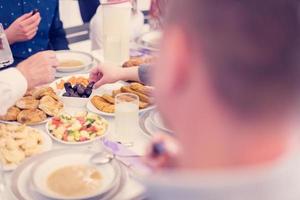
[(226, 62)]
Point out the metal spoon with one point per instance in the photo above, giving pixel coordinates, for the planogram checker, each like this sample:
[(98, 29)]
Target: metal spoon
[(105, 158)]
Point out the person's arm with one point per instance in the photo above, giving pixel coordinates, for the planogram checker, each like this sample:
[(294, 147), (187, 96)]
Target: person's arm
[(13, 86), (104, 74), (57, 34)]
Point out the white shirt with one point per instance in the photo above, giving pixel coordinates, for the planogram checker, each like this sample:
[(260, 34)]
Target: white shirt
[(137, 22), (13, 86), (279, 180)]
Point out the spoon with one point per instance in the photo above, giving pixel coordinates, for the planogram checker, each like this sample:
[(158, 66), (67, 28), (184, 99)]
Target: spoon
[(103, 158)]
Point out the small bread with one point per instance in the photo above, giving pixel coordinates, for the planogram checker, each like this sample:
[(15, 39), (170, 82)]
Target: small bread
[(116, 92), (28, 102), (146, 90), (11, 114), (102, 105), (38, 93), (109, 98), (31, 116), (142, 97), (50, 106)]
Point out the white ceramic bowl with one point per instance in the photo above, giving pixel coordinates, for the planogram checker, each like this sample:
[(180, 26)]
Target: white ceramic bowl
[(42, 170), (65, 55), (76, 102)]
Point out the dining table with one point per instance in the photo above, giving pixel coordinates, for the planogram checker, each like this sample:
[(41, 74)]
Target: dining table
[(132, 188)]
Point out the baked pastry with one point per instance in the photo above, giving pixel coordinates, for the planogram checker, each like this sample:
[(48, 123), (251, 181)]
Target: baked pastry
[(31, 116), (28, 102), (11, 114), (50, 106), (142, 97), (146, 90), (38, 93), (116, 92), (108, 98), (102, 105)]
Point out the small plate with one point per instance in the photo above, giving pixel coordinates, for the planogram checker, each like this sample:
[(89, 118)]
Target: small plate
[(42, 170), (107, 89), (47, 146), (149, 41), (66, 55), (157, 121)]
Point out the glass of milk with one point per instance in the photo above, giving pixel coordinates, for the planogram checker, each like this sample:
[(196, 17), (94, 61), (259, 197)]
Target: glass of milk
[(126, 117), (115, 31), (6, 57)]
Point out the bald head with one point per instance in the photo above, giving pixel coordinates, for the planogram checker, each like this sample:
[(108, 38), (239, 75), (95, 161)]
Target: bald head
[(250, 47)]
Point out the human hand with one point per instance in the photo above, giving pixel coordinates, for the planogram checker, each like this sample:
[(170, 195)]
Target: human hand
[(39, 69), (24, 28), (104, 74), (162, 152)]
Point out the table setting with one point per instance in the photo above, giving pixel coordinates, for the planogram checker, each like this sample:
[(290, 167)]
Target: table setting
[(73, 130)]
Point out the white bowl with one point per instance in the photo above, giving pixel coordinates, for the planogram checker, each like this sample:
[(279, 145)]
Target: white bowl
[(74, 101), (43, 169), (83, 57)]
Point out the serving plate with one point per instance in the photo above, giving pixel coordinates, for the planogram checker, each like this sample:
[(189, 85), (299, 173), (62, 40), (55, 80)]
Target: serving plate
[(47, 146), (149, 40), (75, 143), (157, 121), (65, 55), (107, 89), (22, 186)]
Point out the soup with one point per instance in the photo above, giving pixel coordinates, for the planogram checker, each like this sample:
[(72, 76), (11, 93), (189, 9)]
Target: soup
[(75, 181), (70, 63)]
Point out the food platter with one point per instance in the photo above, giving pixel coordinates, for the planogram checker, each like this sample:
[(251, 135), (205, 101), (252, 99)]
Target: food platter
[(73, 61), (28, 134), (77, 130), (35, 108), (109, 90), (22, 186)]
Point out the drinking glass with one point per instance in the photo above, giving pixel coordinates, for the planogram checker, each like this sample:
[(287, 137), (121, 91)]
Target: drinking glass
[(2, 183), (126, 117), (6, 57)]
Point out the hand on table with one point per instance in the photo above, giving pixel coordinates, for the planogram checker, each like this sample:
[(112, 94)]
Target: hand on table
[(39, 69), (24, 28), (162, 152)]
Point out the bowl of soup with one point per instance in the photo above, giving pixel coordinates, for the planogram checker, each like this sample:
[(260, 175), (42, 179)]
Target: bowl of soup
[(71, 176), (71, 61)]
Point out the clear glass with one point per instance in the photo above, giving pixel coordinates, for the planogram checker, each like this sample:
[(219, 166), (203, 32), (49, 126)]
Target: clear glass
[(126, 117), (115, 32), (6, 57), (2, 183)]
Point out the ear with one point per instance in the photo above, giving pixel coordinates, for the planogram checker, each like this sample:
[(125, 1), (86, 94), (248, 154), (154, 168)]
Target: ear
[(174, 66)]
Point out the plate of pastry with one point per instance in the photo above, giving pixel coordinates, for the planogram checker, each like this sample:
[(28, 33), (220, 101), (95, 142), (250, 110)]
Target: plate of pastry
[(102, 101), (36, 107), (18, 142)]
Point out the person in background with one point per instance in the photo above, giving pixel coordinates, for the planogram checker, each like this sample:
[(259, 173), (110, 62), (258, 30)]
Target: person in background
[(37, 70), (137, 22), (32, 26), (227, 83)]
